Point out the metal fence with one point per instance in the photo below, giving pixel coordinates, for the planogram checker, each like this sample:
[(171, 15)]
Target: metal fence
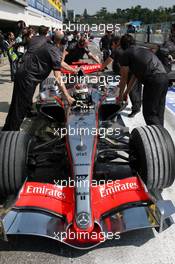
[(155, 38), (159, 33)]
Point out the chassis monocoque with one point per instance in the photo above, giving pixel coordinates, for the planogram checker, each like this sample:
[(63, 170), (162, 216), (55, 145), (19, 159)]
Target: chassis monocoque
[(76, 174)]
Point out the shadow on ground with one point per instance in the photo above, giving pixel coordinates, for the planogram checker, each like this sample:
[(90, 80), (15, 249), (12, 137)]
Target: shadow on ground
[(4, 107), (45, 245), (5, 75), (5, 81)]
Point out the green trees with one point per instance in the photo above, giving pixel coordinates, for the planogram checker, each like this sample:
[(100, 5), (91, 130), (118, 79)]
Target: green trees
[(121, 16), (85, 14)]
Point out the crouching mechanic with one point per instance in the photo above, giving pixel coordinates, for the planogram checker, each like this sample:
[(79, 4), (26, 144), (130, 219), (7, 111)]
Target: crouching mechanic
[(76, 52), (135, 94), (35, 67), (148, 69)]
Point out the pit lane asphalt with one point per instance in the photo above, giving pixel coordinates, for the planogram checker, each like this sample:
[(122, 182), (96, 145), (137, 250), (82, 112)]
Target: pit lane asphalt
[(136, 247)]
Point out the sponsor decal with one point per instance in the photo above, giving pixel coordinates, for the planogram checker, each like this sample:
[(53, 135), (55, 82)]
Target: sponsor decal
[(91, 67), (81, 154), (83, 220), (81, 177), (81, 164), (116, 187), (82, 193), (43, 190), (57, 4)]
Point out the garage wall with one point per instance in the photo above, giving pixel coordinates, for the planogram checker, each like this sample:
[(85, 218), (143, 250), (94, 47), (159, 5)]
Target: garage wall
[(37, 18), (14, 12), (11, 12)]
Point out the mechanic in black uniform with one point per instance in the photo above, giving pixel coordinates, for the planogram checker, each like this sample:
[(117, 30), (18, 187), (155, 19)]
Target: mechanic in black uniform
[(38, 40), (76, 52), (135, 94), (75, 38), (40, 59), (148, 69), (166, 51), (105, 44), (115, 56)]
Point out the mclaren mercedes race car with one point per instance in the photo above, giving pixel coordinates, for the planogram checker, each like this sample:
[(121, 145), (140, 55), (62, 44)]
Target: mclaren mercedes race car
[(77, 175)]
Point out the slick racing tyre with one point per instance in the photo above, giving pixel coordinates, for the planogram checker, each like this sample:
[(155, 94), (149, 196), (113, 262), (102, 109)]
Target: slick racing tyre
[(13, 156), (152, 155)]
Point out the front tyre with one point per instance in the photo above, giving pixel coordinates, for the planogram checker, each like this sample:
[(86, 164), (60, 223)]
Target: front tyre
[(14, 148), (152, 155)]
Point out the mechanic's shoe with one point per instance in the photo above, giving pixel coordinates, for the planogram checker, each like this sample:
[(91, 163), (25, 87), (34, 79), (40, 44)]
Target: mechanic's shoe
[(133, 113)]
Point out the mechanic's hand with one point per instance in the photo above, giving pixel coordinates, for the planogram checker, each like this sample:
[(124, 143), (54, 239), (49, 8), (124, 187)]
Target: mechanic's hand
[(125, 97), (119, 100), (76, 70), (122, 99), (170, 57), (103, 68), (98, 60), (70, 100)]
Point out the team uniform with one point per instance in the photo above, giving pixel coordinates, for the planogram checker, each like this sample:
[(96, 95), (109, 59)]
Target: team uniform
[(149, 70), (135, 94), (36, 65), (75, 53)]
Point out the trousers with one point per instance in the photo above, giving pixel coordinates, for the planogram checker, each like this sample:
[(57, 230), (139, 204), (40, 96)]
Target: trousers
[(154, 98), (23, 91)]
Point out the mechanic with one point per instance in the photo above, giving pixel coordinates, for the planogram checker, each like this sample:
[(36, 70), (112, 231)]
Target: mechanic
[(38, 40), (35, 67), (148, 69), (76, 52), (106, 44), (166, 51), (115, 56), (135, 94), (9, 47), (76, 37)]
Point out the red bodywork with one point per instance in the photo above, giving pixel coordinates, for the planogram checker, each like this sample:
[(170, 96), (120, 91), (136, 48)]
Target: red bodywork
[(87, 68), (61, 200)]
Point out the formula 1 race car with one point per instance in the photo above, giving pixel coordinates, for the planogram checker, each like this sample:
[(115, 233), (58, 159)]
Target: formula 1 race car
[(75, 174)]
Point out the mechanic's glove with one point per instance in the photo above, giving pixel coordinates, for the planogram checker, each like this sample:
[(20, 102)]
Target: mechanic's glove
[(170, 57)]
